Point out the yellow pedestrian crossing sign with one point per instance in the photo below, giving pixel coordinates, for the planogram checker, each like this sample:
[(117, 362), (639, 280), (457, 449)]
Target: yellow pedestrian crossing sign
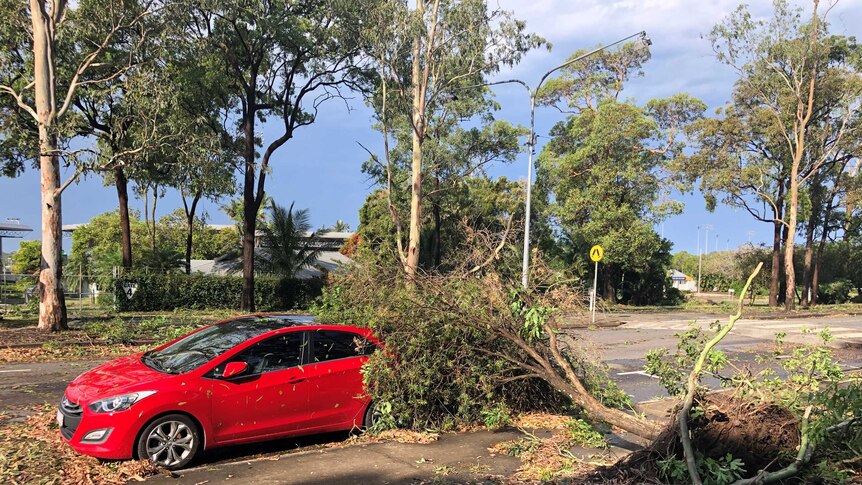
[(596, 253)]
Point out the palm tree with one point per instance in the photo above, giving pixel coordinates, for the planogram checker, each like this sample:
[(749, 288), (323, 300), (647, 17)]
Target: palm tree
[(339, 226), (286, 243), (163, 260)]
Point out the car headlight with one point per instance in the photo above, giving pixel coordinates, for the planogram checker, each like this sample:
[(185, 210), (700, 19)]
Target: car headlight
[(118, 403)]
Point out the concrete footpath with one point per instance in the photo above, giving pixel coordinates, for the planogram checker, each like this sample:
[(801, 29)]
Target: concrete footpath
[(453, 458)]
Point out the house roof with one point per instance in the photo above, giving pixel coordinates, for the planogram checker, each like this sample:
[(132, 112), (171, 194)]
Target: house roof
[(327, 261)]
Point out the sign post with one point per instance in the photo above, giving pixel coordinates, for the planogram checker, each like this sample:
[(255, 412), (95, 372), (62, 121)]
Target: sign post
[(596, 253)]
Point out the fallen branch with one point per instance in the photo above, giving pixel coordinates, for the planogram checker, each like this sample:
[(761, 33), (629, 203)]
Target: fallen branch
[(694, 378)]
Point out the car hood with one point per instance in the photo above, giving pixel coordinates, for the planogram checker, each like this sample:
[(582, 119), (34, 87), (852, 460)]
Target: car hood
[(120, 376)]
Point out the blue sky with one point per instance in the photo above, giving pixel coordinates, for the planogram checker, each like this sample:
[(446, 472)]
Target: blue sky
[(320, 167)]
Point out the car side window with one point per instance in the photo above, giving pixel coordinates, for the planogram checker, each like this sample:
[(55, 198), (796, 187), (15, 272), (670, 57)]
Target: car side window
[(276, 353), (335, 344)]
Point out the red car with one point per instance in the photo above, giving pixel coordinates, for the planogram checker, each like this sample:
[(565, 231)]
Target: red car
[(246, 379)]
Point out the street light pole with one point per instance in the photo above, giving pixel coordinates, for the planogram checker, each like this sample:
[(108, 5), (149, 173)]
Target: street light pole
[(699, 259), (525, 264), (525, 271)]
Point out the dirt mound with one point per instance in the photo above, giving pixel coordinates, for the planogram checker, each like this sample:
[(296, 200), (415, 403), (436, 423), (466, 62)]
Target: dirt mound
[(759, 434)]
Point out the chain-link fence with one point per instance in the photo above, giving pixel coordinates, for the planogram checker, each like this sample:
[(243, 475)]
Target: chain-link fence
[(19, 292)]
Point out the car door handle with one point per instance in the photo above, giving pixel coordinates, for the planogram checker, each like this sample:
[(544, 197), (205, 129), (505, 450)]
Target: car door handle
[(295, 380)]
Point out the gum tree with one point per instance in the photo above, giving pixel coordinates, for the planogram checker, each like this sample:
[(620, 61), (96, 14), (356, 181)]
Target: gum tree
[(431, 64), (792, 111), (50, 51), (281, 60)]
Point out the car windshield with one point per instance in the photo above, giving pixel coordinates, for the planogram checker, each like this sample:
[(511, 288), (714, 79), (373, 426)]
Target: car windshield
[(197, 349)]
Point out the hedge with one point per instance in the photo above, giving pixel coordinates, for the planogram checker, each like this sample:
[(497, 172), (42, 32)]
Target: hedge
[(169, 292)]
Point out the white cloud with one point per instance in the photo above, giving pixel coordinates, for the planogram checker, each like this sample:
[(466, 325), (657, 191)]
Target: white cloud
[(681, 59)]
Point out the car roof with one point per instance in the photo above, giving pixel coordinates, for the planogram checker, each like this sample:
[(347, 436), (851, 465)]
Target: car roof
[(266, 323)]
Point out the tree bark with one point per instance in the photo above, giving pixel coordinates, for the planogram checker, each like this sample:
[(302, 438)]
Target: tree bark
[(815, 277), (52, 302), (609, 290), (190, 229), (789, 270), (574, 388), (775, 271), (418, 116), (805, 299), (122, 184), (782, 281), (437, 243), (249, 210)]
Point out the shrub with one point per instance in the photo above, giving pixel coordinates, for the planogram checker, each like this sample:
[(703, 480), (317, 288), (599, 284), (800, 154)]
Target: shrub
[(168, 292), (837, 291), (673, 297)]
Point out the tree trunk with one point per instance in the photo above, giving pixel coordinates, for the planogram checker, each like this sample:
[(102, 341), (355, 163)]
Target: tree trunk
[(850, 204), (775, 274), (122, 184), (789, 270), (52, 302), (815, 277), (436, 243), (418, 116), (153, 217), (609, 291), (574, 388), (805, 299), (782, 281), (190, 228), (249, 211)]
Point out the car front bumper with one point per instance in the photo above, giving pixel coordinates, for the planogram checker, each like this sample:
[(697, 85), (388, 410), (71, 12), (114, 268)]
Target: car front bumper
[(75, 423)]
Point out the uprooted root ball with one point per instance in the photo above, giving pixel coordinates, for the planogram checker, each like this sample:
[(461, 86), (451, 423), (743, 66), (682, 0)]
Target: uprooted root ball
[(762, 435)]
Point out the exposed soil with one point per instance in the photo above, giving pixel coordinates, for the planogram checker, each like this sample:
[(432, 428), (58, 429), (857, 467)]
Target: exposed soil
[(762, 435)]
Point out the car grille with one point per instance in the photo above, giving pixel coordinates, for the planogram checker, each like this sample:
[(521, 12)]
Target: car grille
[(71, 417)]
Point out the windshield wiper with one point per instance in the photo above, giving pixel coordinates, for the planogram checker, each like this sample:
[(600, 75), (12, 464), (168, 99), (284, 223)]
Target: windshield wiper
[(150, 362)]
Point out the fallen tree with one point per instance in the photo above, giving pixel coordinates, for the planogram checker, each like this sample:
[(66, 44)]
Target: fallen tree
[(472, 339)]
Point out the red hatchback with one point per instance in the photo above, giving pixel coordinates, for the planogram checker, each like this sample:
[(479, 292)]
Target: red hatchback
[(241, 380)]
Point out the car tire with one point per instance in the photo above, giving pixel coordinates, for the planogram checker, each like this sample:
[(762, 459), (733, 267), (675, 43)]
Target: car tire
[(372, 412), (170, 441)]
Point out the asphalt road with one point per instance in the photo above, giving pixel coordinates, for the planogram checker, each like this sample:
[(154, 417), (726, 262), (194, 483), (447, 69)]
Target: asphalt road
[(623, 347)]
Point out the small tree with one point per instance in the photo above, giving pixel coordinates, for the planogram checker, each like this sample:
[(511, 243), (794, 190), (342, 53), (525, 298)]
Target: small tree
[(28, 258)]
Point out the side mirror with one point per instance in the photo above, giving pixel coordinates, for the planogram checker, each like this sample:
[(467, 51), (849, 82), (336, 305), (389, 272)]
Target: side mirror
[(234, 369)]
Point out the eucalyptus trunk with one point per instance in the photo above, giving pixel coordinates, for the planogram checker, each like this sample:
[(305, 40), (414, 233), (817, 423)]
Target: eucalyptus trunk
[(52, 302), (418, 116), (775, 273), (806, 297), (249, 211), (122, 184), (190, 228), (792, 219)]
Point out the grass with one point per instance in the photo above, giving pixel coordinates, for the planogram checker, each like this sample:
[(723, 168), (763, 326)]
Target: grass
[(97, 335)]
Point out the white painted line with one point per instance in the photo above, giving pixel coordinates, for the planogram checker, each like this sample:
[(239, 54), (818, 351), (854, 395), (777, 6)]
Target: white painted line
[(15, 370), (636, 373)]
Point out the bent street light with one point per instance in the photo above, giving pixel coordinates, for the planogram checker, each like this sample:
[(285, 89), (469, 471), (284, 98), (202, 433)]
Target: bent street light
[(532, 141)]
